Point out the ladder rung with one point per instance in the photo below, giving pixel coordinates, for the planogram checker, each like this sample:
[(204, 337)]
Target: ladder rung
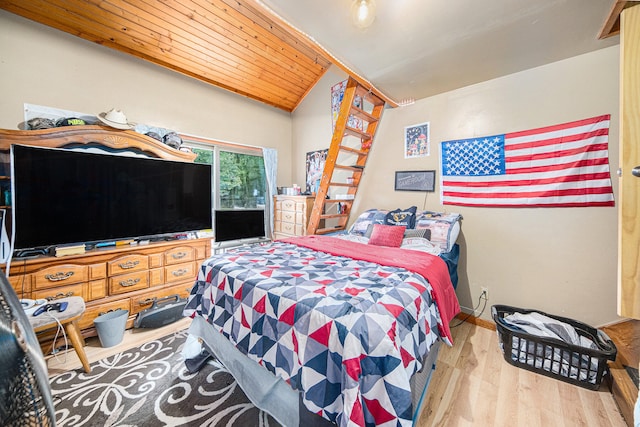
[(338, 200), (329, 216), (341, 184), (363, 92), (360, 113), (357, 133), (353, 150), (329, 230), (349, 168)]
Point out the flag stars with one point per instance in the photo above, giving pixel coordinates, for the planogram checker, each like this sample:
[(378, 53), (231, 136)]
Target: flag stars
[(482, 156)]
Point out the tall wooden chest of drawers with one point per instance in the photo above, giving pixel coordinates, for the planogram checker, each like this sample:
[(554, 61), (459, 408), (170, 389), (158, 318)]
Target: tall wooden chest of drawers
[(291, 215)]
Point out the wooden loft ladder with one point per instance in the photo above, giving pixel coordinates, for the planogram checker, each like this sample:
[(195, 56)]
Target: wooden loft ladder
[(353, 135)]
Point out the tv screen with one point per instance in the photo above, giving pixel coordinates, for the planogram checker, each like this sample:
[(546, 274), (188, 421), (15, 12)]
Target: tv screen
[(238, 224), (67, 196)]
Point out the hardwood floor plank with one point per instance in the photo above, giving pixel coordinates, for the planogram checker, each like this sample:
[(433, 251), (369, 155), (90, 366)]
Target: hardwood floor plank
[(507, 404)]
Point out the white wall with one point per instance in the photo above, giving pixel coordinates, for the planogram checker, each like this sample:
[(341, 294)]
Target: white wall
[(559, 260), (43, 66)]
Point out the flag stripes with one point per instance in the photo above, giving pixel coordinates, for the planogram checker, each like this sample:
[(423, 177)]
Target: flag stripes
[(561, 165)]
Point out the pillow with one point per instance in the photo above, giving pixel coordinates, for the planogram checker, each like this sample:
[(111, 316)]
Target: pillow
[(371, 216), (406, 217), (387, 235), (444, 227), (424, 233), (420, 244)]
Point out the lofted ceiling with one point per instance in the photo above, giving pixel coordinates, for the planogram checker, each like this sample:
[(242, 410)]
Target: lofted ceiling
[(275, 51)]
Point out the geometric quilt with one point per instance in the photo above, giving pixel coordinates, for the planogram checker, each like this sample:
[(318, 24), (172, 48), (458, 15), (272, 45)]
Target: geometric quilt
[(348, 334)]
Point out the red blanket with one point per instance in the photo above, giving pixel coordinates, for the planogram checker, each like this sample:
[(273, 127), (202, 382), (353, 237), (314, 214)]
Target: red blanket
[(431, 267)]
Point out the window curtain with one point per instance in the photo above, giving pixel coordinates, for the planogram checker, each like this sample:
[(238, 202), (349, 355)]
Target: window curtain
[(270, 157)]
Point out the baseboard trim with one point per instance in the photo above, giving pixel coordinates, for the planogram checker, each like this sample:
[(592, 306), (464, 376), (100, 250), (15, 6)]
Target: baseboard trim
[(487, 324)]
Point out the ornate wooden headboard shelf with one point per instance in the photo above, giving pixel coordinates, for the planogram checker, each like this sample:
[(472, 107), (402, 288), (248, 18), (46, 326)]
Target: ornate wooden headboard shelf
[(92, 134)]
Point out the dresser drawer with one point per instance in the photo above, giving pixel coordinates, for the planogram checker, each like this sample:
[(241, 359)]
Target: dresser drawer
[(288, 205), (60, 275), (128, 282), (287, 227), (291, 229), (156, 277), (22, 285), (288, 216), (184, 271), (77, 290), (97, 271), (179, 254), (301, 207), (301, 218), (128, 264), (97, 289)]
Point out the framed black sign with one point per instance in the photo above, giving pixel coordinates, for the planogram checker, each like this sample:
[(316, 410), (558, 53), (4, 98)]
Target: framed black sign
[(415, 181)]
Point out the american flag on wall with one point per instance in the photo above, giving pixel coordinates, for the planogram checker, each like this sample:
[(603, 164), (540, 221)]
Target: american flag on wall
[(564, 165)]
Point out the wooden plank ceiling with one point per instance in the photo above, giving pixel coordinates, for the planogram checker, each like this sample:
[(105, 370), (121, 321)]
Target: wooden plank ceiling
[(230, 44)]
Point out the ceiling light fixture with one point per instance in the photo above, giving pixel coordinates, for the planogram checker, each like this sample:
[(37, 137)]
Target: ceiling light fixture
[(363, 12)]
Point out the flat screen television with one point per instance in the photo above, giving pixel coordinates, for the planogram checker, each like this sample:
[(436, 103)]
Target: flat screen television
[(239, 224), (74, 196)]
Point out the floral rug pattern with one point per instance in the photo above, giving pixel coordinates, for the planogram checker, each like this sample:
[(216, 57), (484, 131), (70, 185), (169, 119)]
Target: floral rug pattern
[(150, 386)]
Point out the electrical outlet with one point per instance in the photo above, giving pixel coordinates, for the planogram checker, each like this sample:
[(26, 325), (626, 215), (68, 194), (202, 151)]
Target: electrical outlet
[(484, 290)]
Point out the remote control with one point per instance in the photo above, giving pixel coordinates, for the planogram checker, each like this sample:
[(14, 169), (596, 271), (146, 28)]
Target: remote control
[(59, 306)]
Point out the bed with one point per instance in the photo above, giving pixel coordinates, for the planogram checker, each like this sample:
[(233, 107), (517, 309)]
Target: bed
[(337, 326)]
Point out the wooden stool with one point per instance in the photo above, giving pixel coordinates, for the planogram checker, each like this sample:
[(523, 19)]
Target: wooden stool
[(69, 320)]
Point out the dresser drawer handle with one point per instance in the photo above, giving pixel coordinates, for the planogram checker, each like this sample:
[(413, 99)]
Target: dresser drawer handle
[(146, 301), (179, 255), (60, 295), (129, 282), (180, 272), (58, 276), (129, 264)]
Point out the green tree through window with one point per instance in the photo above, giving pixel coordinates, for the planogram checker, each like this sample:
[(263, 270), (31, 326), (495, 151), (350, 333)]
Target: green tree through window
[(242, 180)]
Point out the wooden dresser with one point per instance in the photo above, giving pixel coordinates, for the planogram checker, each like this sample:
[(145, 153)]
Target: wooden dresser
[(291, 215), (126, 277)]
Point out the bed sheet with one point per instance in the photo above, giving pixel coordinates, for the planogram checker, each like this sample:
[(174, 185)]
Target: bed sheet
[(347, 333)]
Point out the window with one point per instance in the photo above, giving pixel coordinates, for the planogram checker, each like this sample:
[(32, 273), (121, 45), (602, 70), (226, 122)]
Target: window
[(239, 176), (242, 182)]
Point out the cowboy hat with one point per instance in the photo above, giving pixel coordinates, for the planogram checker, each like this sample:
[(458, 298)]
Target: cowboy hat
[(116, 119)]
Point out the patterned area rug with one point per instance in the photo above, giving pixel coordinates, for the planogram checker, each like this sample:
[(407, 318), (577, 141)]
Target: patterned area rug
[(150, 386)]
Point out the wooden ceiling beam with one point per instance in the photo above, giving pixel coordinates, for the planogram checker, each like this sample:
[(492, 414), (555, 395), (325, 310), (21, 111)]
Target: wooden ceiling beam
[(611, 26)]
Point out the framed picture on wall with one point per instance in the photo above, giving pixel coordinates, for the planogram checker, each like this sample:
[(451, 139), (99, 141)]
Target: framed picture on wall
[(315, 166), (415, 181), (416, 141)]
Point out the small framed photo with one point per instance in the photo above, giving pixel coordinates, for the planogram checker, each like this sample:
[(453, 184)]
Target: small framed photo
[(416, 141), (416, 181)]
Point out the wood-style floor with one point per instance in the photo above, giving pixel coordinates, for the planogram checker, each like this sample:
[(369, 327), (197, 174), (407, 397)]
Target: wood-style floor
[(472, 385)]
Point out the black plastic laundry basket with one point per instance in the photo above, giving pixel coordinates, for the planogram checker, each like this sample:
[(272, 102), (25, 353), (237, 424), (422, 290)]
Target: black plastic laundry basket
[(581, 366)]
